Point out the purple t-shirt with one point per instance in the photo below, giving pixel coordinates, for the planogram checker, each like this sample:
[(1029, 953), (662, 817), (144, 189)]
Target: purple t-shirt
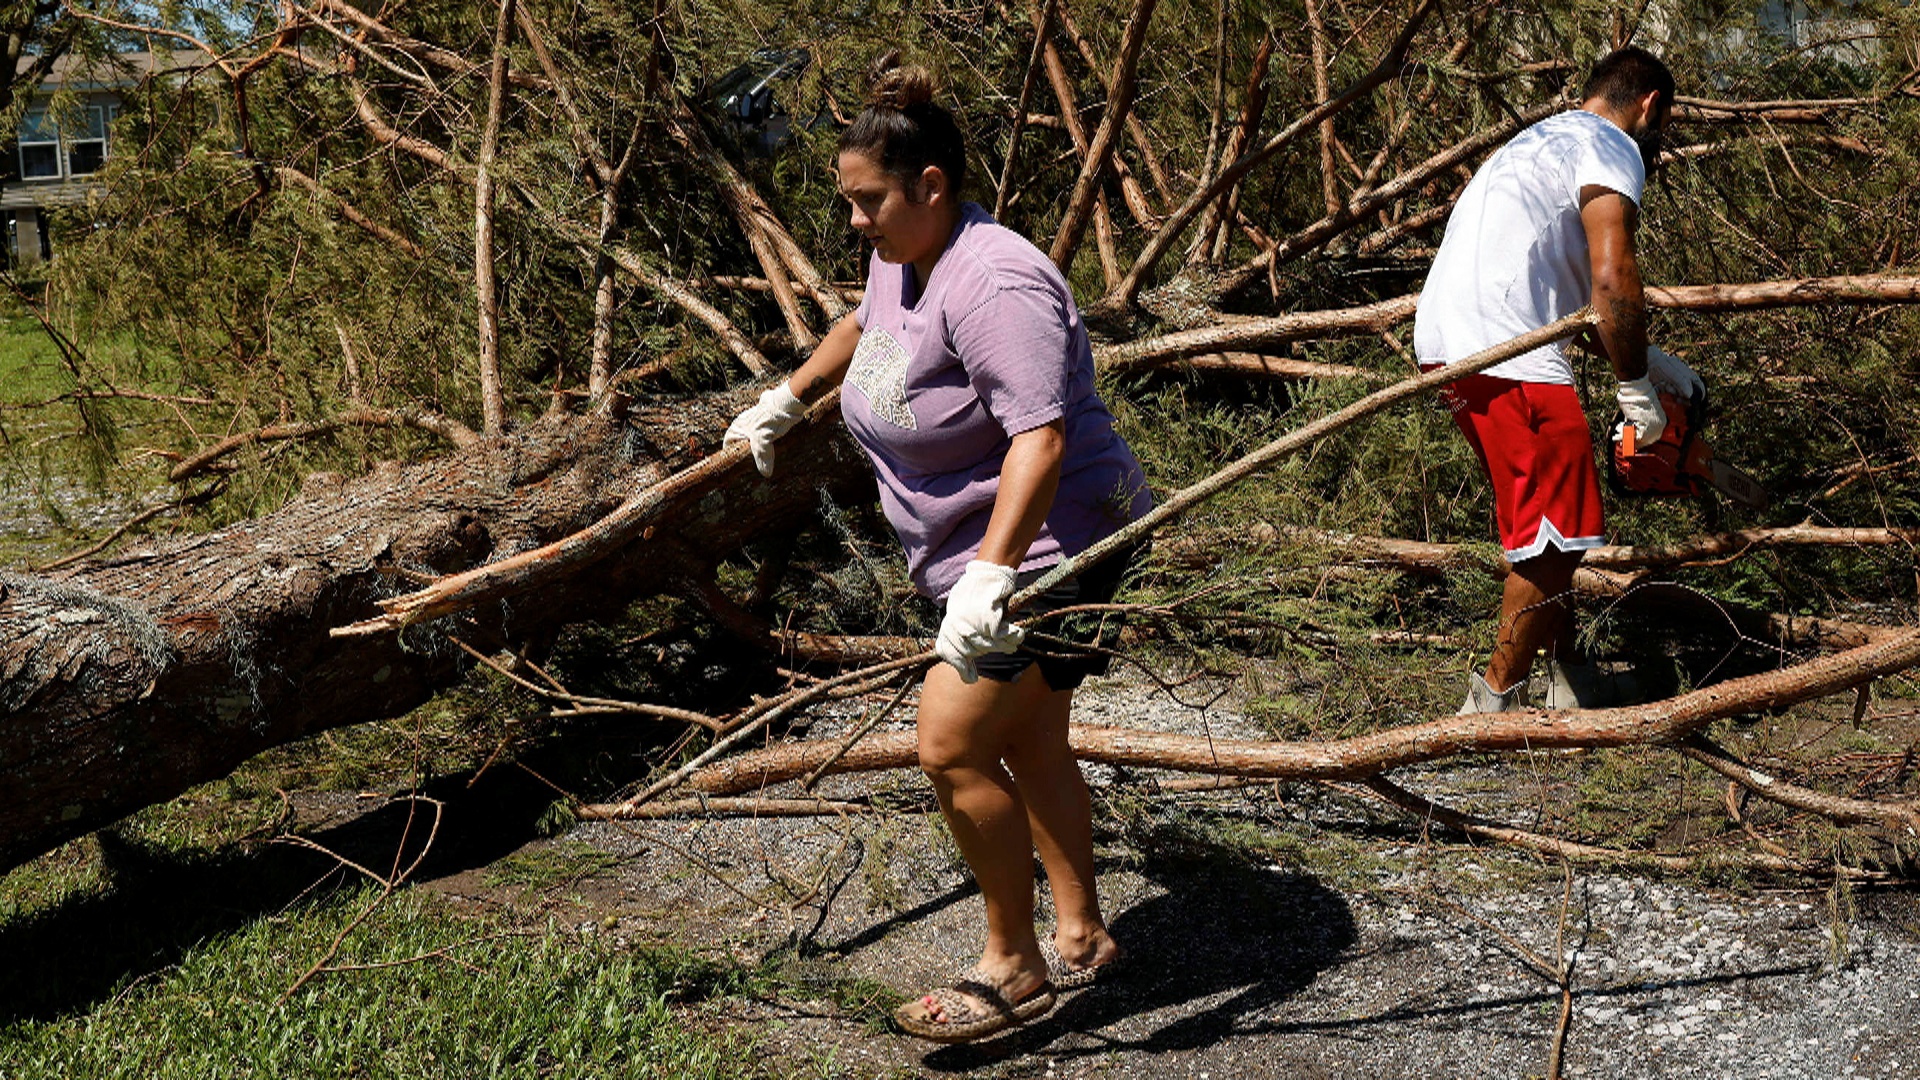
[(942, 380)]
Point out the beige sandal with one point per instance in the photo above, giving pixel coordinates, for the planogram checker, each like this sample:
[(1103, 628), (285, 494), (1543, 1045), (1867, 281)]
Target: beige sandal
[(970, 1009), (1065, 976)]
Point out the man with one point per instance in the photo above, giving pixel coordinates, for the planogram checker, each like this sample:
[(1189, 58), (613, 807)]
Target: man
[(1545, 227)]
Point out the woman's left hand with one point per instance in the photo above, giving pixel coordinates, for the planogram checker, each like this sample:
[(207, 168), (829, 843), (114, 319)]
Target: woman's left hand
[(976, 621)]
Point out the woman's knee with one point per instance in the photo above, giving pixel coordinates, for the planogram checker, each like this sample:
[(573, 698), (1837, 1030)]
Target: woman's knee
[(942, 755)]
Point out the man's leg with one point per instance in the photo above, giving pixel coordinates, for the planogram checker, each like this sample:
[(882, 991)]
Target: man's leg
[(1536, 614)]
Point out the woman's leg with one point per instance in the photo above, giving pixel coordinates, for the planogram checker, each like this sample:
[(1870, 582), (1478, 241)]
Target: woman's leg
[(1059, 814), (964, 730)]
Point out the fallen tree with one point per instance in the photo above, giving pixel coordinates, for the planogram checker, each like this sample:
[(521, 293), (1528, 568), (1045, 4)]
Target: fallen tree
[(126, 681)]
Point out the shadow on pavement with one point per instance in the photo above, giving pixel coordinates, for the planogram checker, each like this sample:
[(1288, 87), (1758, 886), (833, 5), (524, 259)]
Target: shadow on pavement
[(1225, 944)]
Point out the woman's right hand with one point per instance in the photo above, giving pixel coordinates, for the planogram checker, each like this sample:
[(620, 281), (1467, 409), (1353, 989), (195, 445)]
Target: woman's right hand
[(775, 414), (780, 408)]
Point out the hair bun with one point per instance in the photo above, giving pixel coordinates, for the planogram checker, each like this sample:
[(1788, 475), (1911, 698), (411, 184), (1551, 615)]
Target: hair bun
[(893, 85)]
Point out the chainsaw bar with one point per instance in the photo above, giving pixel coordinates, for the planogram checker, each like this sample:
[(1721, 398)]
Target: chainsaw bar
[(1736, 484)]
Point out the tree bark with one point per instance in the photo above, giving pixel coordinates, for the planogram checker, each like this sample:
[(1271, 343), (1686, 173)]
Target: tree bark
[(1323, 89), (128, 680), (493, 402)]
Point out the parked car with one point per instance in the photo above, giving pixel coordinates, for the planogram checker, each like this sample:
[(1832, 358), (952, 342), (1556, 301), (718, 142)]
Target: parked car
[(744, 98)]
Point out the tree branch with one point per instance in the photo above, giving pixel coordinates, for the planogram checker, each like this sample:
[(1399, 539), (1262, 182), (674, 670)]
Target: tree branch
[(290, 175), (1253, 105), (1131, 192), (447, 428), (493, 402), (1123, 296), (1253, 334), (1752, 296), (1063, 92), (1902, 818), (1363, 756), (1043, 25), (1120, 90)]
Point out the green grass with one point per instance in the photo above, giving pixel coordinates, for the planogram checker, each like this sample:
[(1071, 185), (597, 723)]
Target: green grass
[(162, 948), (29, 364), (441, 996)]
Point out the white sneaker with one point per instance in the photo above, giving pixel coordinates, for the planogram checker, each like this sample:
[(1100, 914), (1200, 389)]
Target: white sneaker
[(1482, 698), (1587, 686)]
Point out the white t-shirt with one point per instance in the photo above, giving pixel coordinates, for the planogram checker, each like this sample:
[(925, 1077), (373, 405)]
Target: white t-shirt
[(1514, 257)]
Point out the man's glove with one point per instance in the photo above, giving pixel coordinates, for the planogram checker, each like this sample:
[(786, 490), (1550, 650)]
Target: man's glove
[(1640, 403), (776, 413), (1670, 373), (976, 621)]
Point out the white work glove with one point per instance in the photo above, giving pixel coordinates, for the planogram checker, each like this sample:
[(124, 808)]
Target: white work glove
[(1670, 373), (776, 413), (1640, 403), (976, 621)]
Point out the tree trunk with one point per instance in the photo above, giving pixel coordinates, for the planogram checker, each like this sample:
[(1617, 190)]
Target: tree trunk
[(126, 681)]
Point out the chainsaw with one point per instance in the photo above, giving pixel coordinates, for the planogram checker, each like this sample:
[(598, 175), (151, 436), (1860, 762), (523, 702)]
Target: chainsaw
[(1679, 462)]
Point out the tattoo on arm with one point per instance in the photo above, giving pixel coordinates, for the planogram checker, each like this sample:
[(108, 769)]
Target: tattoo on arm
[(1626, 334), (1629, 316), (815, 389)]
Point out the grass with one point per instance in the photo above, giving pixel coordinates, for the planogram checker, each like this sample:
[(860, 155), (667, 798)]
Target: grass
[(436, 996), (543, 868), (29, 364), (163, 948)]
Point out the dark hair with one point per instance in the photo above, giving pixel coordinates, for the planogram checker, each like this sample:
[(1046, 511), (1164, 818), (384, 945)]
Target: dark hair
[(1624, 76), (901, 128)]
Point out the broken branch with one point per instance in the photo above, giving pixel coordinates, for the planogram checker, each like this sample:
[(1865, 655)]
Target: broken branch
[(1120, 89), (446, 427)]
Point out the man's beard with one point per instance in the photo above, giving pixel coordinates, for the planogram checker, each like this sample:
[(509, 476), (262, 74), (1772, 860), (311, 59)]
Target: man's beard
[(1649, 141)]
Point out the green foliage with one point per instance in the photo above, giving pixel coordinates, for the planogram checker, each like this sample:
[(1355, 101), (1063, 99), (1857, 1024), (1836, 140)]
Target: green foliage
[(822, 978)]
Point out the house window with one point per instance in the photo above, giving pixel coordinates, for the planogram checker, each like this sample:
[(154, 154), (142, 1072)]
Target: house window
[(88, 152), (39, 147)]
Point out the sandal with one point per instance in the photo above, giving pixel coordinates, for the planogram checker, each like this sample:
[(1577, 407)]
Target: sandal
[(1065, 976), (970, 1009)]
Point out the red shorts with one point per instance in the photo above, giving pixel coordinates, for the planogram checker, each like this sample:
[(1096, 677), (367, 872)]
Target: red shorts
[(1532, 439)]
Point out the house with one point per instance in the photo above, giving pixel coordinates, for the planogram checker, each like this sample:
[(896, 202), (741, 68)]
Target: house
[(59, 148)]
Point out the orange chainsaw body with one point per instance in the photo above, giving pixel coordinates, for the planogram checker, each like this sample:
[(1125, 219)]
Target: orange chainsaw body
[(1680, 462)]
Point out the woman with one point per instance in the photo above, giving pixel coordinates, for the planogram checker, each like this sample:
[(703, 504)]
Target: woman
[(969, 382)]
